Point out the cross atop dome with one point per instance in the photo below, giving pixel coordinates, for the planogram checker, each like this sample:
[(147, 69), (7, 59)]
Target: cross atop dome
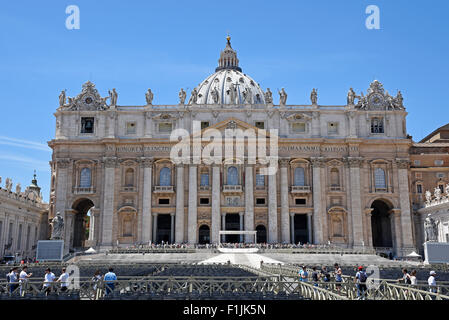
[(228, 58)]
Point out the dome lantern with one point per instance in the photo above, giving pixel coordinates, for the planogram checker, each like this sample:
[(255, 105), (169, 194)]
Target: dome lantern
[(228, 58)]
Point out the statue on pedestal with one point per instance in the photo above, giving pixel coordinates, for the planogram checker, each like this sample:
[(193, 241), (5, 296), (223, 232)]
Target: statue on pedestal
[(18, 188), (8, 184), (351, 97), (215, 95), (282, 97), (57, 224), (314, 97), (428, 197), (437, 194), (431, 229), (113, 95), (149, 97), (194, 96), (269, 96), (232, 93), (182, 96), (62, 98)]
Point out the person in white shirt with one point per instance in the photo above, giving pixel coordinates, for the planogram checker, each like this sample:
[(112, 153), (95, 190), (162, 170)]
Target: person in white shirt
[(49, 278), (432, 282), (12, 276), (413, 279), (23, 278), (63, 279)]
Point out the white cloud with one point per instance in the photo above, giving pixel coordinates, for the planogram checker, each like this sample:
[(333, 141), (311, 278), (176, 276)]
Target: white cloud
[(27, 144)]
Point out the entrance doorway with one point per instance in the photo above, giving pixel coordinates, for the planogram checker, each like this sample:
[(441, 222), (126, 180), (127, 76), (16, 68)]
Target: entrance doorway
[(232, 224), (80, 232), (381, 225), (261, 234), (300, 229), (163, 228), (204, 234)]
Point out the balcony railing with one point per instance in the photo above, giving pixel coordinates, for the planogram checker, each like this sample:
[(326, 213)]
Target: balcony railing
[(232, 188), (336, 188), (380, 190), (261, 188), (300, 189), (129, 189), (204, 188), (163, 189), (83, 190)]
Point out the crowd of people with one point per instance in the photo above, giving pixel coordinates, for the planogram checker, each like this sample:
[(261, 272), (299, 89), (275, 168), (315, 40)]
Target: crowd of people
[(360, 278)]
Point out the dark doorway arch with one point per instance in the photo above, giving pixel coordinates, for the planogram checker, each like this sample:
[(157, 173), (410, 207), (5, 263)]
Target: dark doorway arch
[(381, 224), (81, 222), (163, 228), (232, 224), (204, 234), (261, 234), (300, 229)]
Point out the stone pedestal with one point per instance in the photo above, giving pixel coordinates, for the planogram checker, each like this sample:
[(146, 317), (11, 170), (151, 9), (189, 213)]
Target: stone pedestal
[(50, 250), (436, 252)]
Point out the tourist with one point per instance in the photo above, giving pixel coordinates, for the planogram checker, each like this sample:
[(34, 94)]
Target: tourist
[(109, 279), (23, 278), (48, 280), (432, 282), (12, 279), (360, 280), (325, 274), (63, 279), (315, 276), (303, 274), (405, 277), (413, 279), (338, 276), (96, 278)]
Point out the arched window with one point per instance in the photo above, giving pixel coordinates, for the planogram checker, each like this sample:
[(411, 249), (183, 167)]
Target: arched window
[(260, 179), (335, 180), (129, 177), (379, 178), (299, 177), (233, 176), (127, 226), (204, 179), (85, 178), (165, 177)]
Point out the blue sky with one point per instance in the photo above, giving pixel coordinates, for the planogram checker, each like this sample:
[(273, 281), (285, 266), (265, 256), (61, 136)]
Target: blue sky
[(166, 45)]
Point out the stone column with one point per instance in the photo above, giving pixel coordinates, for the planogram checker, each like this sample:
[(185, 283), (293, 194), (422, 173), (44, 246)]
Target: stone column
[(172, 227), (369, 231), (193, 208), (285, 230), (110, 164), (404, 199), (309, 227), (216, 198), (146, 228), (179, 236), (62, 166), (241, 215), (93, 234), (356, 201), (395, 222), (155, 227), (223, 226), (68, 228), (272, 210), (318, 207), (249, 201), (292, 227)]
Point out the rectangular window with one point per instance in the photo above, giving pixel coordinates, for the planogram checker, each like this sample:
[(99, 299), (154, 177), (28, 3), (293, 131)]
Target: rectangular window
[(260, 180), (204, 179), (300, 201), (260, 201), (165, 127), (130, 128), (417, 162), (204, 124), (299, 127), (259, 124), (164, 201), (87, 125), (418, 188), (332, 128), (418, 175), (377, 125), (204, 201), (439, 162)]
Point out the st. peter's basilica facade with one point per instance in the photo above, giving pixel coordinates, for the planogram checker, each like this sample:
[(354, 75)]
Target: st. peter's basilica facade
[(342, 173)]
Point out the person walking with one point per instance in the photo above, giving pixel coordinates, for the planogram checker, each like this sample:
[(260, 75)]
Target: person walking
[(303, 274), (405, 277), (63, 279), (338, 276), (432, 282), (315, 276), (360, 280), (12, 279), (109, 279), (413, 279), (48, 280), (23, 279)]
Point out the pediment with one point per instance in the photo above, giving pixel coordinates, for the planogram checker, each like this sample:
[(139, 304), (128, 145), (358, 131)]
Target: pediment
[(234, 124), (298, 117)]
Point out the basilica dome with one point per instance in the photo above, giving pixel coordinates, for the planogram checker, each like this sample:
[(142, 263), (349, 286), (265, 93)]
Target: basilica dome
[(228, 85)]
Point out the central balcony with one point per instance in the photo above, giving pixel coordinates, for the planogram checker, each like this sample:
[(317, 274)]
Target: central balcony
[(232, 188), (163, 189), (300, 189), (83, 190)]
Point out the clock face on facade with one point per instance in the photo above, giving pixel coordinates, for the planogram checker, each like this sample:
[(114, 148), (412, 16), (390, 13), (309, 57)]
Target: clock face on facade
[(88, 100), (376, 100)]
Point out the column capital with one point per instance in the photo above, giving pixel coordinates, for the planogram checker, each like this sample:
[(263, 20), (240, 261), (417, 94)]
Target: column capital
[(292, 214), (154, 214), (241, 214), (284, 162), (110, 162), (402, 163), (396, 212), (317, 162), (63, 163), (353, 162), (146, 162), (172, 214)]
